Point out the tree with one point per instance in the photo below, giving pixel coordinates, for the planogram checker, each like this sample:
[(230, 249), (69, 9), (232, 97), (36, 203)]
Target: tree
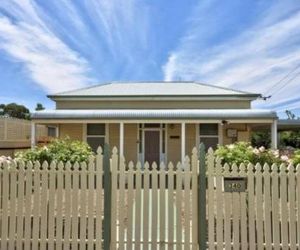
[(16, 110), (39, 106), (2, 106)]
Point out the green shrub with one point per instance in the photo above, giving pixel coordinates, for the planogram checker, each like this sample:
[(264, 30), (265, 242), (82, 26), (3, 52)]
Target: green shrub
[(296, 157), (58, 150), (243, 152), (290, 138)]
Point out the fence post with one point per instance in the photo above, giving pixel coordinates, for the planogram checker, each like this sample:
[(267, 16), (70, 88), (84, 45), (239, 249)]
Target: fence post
[(107, 197), (202, 225)]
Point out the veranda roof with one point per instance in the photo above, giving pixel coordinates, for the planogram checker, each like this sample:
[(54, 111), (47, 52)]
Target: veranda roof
[(164, 114)]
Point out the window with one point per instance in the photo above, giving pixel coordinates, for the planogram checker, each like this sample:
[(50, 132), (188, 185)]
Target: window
[(209, 135), (51, 131), (95, 135)]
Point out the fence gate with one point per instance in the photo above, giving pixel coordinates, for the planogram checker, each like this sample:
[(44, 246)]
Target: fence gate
[(154, 207)]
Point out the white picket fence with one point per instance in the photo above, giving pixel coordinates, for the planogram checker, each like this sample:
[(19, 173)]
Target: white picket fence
[(61, 206), (267, 216), (154, 207), (51, 207)]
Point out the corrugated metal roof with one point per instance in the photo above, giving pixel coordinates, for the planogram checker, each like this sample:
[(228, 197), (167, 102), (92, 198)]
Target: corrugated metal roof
[(155, 114), (119, 89)]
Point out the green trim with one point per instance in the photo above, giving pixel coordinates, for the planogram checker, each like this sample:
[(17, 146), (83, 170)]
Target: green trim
[(202, 224), (107, 198)]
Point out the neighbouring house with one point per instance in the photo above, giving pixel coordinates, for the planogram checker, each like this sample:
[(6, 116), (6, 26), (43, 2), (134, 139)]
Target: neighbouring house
[(155, 121), (15, 135)]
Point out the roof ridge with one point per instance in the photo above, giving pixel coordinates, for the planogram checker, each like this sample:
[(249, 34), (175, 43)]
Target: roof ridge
[(225, 88)]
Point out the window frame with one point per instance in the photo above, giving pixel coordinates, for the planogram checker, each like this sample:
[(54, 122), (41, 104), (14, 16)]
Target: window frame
[(217, 135), (104, 136)]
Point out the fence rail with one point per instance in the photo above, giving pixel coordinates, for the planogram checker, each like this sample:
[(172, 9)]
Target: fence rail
[(62, 206)]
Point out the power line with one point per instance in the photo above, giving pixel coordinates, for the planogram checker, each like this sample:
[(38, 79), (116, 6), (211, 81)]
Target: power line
[(283, 78), (286, 83)]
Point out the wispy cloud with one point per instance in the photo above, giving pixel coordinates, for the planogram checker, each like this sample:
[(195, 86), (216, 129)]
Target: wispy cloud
[(47, 59), (253, 59), (64, 45)]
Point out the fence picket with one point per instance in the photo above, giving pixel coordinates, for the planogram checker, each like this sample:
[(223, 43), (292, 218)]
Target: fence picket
[(251, 213), (219, 204), (20, 219), (138, 202), (283, 206), (61, 193), (162, 206), (235, 212), (187, 207), (36, 206), (171, 204), (51, 201), (259, 206), (275, 209), (67, 208), (210, 207), (114, 186), (121, 205), (99, 198), (194, 220), (74, 220), (130, 205), (154, 221), (227, 207), (4, 221), (44, 199), (146, 207), (91, 196), (178, 206), (292, 217), (28, 206), (267, 207), (243, 211), (83, 205), (12, 206)]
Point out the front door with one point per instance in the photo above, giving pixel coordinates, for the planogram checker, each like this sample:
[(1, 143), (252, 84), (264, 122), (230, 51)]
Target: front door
[(152, 152)]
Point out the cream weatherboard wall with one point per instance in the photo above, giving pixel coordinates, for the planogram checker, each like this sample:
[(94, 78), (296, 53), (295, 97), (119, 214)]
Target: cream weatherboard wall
[(237, 104), (74, 131)]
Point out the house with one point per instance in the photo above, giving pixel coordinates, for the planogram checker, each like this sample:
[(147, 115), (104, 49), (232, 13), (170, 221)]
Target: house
[(155, 121), (15, 134)]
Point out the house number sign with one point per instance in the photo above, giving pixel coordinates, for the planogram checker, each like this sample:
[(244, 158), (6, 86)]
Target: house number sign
[(235, 184)]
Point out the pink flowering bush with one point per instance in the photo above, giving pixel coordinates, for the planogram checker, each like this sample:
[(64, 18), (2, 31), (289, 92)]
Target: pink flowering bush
[(5, 158), (243, 152)]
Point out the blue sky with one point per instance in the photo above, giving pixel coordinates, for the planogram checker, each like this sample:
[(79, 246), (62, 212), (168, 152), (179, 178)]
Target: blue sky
[(53, 46)]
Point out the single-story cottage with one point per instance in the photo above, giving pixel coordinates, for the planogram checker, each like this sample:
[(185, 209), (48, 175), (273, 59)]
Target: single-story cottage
[(155, 121)]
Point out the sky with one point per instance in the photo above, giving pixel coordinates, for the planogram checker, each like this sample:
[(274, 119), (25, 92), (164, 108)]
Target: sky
[(52, 46)]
